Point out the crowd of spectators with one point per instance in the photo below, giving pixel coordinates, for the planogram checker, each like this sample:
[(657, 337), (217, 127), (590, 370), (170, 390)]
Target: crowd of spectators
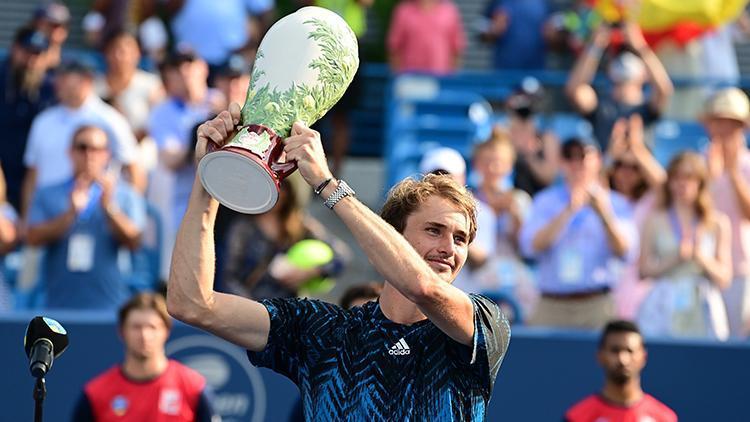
[(574, 231)]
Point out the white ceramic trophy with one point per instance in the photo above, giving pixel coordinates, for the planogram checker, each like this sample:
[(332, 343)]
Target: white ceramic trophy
[(304, 64)]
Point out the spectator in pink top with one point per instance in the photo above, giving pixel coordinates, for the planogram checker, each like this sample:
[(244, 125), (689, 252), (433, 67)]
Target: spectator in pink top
[(426, 36), (726, 119)]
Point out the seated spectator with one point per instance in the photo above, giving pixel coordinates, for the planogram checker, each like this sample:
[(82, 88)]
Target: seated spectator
[(622, 355), (686, 249), (256, 264), (83, 222), (426, 36), (8, 239), (537, 152), (579, 233), (360, 294), (53, 18), (52, 131), (502, 272), (634, 173), (147, 385), (726, 120), (515, 30), (25, 90), (131, 91), (628, 71)]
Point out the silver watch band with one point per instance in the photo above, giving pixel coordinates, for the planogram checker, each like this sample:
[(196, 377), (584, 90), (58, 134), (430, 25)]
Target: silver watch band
[(342, 190)]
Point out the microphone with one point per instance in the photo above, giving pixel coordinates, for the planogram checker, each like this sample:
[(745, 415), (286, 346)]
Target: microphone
[(45, 340)]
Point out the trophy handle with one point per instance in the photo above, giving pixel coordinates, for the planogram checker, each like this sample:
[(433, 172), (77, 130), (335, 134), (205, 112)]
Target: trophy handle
[(284, 169)]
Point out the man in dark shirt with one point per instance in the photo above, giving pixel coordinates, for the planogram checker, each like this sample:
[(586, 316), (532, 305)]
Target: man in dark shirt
[(25, 90), (629, 70), (424, 351)]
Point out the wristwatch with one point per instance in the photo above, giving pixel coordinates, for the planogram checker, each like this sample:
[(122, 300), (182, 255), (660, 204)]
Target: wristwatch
[(342, 190)]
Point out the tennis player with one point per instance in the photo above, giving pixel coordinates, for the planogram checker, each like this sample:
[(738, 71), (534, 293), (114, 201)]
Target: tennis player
[(424, 351)]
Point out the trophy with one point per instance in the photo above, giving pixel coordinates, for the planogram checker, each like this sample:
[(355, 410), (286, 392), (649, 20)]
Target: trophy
[(304, 64)]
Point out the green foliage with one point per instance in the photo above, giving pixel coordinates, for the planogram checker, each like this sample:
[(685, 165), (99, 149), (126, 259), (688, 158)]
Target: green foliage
[(336, 67)]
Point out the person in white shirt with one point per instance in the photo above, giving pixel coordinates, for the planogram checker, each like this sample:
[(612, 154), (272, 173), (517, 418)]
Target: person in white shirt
[(52, 130)]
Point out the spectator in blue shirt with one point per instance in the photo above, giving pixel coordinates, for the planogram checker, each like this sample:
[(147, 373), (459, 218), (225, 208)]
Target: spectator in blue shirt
[(84, 222), (580, 233), (515, 27), (25, 90)]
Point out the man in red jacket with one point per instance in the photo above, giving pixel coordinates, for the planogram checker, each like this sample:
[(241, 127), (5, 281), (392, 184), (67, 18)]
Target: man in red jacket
[(622, 356), (146, 386)]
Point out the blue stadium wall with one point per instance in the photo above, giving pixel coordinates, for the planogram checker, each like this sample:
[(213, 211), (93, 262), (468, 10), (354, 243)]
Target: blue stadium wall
[(542, 375)]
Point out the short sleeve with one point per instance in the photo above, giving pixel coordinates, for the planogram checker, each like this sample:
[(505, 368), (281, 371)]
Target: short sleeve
[(542, 211), (133, 205), (490, 342), (124, 145), (298, 328), (31, 153)]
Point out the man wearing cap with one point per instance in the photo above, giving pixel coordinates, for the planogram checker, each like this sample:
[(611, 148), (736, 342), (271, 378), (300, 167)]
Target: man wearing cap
[(579, 233), (628, 71), (52, 130), (25, 90), (53, 19), (726, 119)]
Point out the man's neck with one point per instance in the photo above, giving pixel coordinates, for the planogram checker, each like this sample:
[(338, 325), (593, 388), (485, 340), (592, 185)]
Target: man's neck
[(144, 369), (397, 308), (118, 79), (626, 394)]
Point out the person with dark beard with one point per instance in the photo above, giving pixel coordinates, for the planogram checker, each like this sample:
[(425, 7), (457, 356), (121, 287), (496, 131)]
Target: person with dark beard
[(622, 355), (25, 90)]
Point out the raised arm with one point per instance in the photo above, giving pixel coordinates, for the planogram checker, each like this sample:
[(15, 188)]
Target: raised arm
[(389, 252), (657, 74), (578, 88), (190, 294)]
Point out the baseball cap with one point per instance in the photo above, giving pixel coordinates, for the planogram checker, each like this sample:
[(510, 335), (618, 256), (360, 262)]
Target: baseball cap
[(234, 67), (625, 67), (31, 40), (57, 13), (443, 158), (728, 103)]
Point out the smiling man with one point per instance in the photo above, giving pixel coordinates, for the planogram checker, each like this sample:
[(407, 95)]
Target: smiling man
[(424, 351)]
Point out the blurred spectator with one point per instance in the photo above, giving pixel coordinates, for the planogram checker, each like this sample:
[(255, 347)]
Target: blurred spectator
[(256, 264), (622, 355), (568, 30), (515, 29), (579, 233), (25, 90), (54, 20), (503, 271), (172, 125), (52, 131), (232, 79), (634, 173), (214, 30), (83, 222), (628, 71), (8, 239), (426, 36), (686, 249), (719, 59), (131, 91), (360, 294), (147, 386), (537, 162), (726, 118), (354, 12)]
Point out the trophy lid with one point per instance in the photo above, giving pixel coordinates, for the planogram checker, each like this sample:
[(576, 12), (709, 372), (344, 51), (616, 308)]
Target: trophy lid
[(238, 182)]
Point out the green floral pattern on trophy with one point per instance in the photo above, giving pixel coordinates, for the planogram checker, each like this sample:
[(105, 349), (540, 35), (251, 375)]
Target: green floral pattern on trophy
[(336, 67), (257, 143)]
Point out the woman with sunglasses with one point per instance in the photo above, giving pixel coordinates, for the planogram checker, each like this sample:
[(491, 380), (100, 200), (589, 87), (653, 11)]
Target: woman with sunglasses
[(637, 175), (686, 249)]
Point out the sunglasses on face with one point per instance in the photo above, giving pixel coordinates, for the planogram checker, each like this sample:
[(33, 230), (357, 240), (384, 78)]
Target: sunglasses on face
[(83, 147)]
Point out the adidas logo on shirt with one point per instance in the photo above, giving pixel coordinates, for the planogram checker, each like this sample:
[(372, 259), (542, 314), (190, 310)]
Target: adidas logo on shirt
[(400, 348)]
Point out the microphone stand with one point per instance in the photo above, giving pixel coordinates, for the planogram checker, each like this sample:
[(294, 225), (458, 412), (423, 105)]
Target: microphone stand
[(40, 392)]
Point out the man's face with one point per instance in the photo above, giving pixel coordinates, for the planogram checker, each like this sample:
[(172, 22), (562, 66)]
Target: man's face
[(622, 357), (90, 152), (123, 53), (144, 334), (439, 232), (580, 164), (72, 88), (234, 88)]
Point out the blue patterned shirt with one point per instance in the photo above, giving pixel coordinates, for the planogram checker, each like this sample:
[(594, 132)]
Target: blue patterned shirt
[(357, 365)]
